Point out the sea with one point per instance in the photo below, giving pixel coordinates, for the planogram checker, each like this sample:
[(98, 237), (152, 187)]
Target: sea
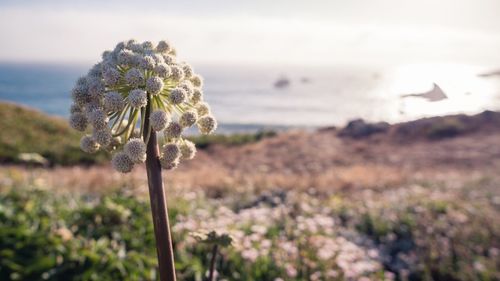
[(249, 98)]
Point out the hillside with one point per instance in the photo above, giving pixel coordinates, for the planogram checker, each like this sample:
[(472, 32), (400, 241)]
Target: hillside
[(25, 130)]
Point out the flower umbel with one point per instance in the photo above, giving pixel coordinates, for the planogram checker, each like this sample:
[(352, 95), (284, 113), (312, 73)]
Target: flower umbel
[(136, 89)]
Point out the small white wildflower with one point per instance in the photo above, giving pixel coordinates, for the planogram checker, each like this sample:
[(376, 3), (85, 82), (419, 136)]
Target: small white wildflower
[(78, 121), (207, 124), (188, 119), (120, 46), (170, 152), (98, 119), (163, 47), (177, 96), (147, 45), (102, 137), (154, 85), (158, 58), (187, 86), (96, 87), (197, 96), (122, 163), (163, 70), (80, 92), (136, 47), (188, 70), (107, 66), (197, 80), (90, 107), (203, 109), (106, 55), (115, 141), (111, 76), (136, 150), (75, 108), (188, 150), (148, 63), (177, 73), (113, 101), (95, 71), (89, 145), (134, 77), (126, 57), (170, 60), (168, 165), (159, 120), (173, 130), (137, 98)]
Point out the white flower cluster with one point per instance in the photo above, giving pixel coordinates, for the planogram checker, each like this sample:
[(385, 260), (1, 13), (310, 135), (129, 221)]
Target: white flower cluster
[(138, 88)]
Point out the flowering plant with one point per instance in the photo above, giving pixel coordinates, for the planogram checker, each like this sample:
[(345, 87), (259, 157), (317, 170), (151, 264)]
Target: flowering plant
[(135, 89)]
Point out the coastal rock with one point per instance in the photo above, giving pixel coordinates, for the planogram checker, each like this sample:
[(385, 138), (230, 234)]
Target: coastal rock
[(358, 128)]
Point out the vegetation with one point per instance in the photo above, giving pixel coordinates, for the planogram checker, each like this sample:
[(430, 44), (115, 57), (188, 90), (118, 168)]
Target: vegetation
[(204, 141), (28, 131), (415, 232)]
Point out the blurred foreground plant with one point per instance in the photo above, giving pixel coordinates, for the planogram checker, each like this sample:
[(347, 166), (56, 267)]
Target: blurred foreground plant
[(137, 90), (215, 240)]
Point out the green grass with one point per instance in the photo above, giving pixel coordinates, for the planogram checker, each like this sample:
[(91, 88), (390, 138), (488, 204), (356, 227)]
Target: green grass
[(28, 131), (205, 141)]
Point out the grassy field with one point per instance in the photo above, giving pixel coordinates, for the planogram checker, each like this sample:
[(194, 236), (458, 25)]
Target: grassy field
[(417, 231), (418, 201), (30, 131)]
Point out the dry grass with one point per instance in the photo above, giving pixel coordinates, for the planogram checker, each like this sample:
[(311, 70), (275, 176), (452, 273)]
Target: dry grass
[(296, 160)]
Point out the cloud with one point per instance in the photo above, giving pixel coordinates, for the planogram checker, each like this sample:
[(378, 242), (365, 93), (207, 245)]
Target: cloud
[(68, 35)]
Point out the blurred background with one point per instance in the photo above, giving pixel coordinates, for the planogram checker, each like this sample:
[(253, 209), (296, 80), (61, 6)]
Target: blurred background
[(357, 140), (285, 63)]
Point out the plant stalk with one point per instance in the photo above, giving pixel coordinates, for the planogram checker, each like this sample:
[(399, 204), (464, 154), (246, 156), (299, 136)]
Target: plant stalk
[(211, 274), (158, 204)]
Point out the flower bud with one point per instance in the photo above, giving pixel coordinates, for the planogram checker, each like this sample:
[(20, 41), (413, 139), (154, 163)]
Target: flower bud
[(137, 98), (197, 96), (134, 77), (147, 45), (89, 145), (170, 152), (177, 96), (203, 109), (188, 70), (188, 119), (122, 163), (111, 76), (163, 70), (154, 85), (177, 73), (78, 121), (98, 119), (113, 102), (102, 137), (147, 63), (163, 47), (207, 124), (168, 165), (158, 120), (136, 150), (188, 150), (197, 80)]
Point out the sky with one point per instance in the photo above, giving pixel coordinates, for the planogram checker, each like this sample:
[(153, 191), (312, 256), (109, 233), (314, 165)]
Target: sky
[(259, 31)]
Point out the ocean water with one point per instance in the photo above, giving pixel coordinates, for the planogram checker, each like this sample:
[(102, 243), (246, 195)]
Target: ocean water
[(245, 98)]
